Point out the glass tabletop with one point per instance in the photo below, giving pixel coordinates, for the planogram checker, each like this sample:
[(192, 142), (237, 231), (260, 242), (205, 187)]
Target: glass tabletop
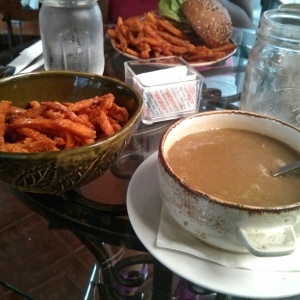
[(82, 245)]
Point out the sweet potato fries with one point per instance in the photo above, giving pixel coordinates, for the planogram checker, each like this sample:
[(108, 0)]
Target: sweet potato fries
[(154, 36), (52, 126)]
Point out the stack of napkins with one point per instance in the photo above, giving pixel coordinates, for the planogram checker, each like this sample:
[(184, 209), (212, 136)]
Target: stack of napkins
[(165, 76), (172, 236), (26, 57)]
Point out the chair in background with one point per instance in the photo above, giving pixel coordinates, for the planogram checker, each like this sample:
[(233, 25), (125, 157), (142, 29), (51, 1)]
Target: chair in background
[(14, 14)]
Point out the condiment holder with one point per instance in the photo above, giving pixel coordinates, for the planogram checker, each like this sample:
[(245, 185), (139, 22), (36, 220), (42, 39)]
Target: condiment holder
[(169, 86)]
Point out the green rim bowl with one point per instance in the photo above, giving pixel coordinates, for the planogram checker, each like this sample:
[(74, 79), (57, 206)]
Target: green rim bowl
[(59, 171)]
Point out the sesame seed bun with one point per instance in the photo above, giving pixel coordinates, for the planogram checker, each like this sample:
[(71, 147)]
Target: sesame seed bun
[(210, 20)]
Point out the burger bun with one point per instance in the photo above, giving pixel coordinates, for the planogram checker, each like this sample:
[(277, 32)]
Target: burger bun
[(210, 20)]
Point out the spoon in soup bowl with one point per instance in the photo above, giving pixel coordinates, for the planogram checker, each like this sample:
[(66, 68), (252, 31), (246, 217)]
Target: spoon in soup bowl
[(287, 169)]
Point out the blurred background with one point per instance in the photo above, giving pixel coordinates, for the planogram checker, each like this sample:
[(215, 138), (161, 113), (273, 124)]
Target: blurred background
[(19, 19)]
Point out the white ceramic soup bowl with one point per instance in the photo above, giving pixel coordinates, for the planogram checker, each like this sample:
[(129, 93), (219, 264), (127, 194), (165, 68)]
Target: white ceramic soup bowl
[(229, 226)]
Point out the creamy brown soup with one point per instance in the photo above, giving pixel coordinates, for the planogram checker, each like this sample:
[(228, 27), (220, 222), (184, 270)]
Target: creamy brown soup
[(235, 165)]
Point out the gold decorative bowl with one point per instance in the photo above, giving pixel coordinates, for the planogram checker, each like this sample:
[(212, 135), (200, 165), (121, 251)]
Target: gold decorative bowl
[(59, 171)]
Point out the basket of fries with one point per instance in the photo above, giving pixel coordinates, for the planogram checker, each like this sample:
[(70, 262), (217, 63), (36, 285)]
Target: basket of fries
[(60, 130)]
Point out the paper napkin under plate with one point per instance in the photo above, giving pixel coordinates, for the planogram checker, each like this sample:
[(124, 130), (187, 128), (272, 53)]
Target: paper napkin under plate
[(172, 236)]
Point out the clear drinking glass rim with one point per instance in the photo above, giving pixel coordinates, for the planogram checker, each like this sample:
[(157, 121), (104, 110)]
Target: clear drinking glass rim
[(67, 3), (273, 29)]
